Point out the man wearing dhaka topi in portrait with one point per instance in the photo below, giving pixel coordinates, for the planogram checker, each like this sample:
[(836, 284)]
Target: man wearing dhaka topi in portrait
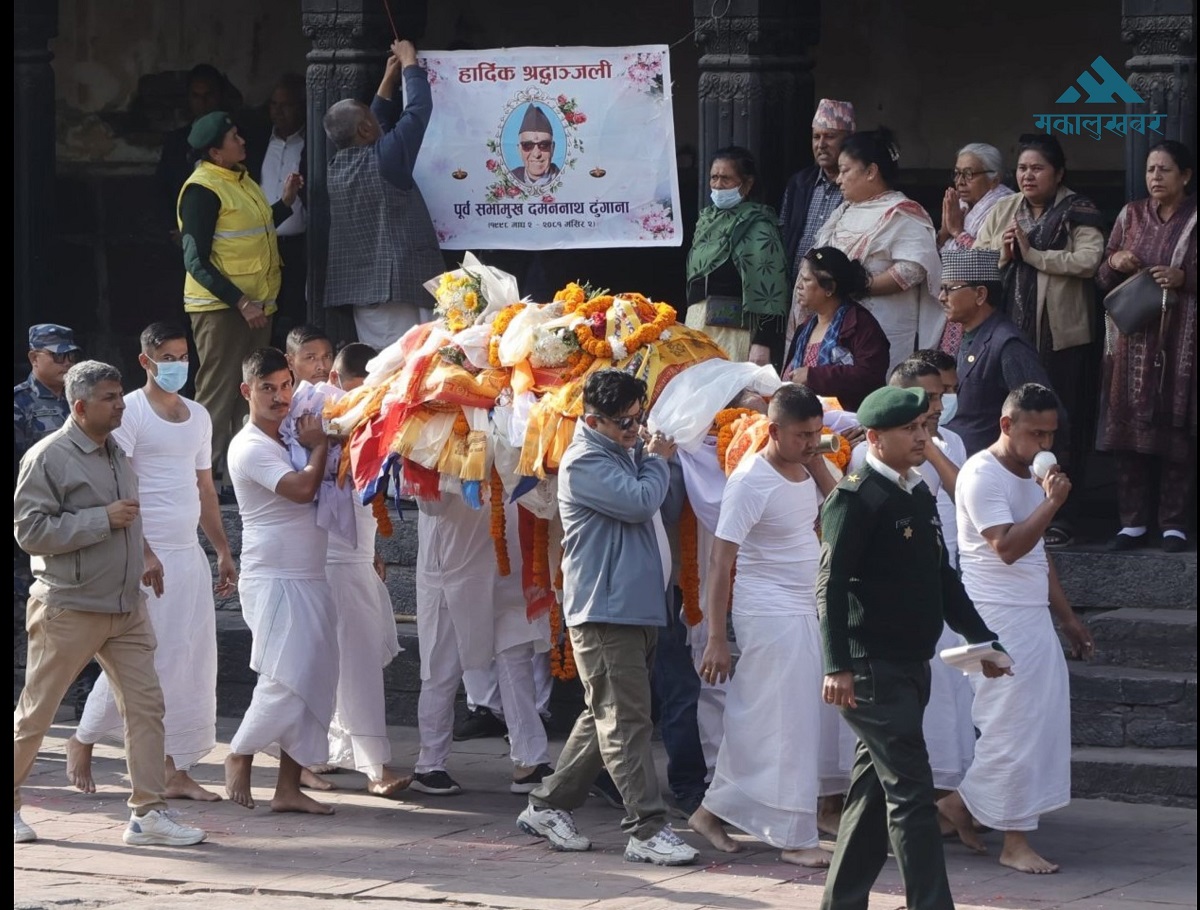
[(535, 142)]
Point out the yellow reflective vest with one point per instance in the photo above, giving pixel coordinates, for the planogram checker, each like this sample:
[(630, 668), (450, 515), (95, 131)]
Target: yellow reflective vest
[(243, 248)]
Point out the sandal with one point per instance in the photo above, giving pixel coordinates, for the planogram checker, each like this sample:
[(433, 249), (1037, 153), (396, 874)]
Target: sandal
[(1058, 536)]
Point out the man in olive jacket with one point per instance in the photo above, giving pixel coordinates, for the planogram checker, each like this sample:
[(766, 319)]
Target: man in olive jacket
[(884, 589), (76, 513), (612, 481)]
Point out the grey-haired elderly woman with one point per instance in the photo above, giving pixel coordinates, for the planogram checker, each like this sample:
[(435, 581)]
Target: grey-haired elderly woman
[(977, 186)]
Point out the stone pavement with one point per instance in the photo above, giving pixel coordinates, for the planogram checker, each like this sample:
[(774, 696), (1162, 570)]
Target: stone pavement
[(465, 851)]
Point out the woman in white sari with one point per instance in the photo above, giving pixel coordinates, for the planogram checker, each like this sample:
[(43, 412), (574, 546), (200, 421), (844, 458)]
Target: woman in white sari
[(893, 237)]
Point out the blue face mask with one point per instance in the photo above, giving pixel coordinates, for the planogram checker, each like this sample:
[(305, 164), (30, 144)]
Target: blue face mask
[(726, 199), (949, 408), (172, 375)]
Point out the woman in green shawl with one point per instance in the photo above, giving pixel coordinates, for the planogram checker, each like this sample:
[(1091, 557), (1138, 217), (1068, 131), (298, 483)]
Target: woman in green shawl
[(737, 287)]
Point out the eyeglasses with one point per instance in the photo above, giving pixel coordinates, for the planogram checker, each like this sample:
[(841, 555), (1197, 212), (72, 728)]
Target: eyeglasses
[(625, 424), (542, 145), (60, 359), (951, 288), (968, 174)]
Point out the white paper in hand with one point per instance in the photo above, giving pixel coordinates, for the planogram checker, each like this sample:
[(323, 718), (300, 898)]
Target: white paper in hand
[(969, 658)]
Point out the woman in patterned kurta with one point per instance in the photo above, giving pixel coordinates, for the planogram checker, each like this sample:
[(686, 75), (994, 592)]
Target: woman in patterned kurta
[(1148, 394)]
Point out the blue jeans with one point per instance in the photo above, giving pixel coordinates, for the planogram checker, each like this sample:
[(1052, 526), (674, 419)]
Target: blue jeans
[(676, 690)]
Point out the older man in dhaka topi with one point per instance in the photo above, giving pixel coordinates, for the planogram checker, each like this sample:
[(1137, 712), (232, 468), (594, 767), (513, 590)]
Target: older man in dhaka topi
[(535, 142)]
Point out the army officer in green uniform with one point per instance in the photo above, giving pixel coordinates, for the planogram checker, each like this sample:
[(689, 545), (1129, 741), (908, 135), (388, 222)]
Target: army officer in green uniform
[(885, 586)]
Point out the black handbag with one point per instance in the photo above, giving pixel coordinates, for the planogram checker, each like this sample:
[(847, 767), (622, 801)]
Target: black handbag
[(1135, 303)]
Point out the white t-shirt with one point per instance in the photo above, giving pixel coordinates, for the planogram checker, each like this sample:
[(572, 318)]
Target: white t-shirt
[(989, 495), (166, 457), (280, 538), (772, 520)]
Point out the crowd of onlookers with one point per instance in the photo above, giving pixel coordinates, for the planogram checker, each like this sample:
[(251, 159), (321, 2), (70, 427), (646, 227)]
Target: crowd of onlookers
[(847, 282)]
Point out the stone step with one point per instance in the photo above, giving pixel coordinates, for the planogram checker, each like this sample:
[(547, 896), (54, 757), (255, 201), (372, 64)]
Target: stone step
[(1130, 706), (1162, 777), (1150, 638), (1096, 579)]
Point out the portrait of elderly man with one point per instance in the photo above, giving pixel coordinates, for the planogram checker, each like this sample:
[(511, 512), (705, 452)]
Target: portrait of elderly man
[(535, 142)]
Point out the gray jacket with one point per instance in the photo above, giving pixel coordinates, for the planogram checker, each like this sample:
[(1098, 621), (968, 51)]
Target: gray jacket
[(60, 518), (611, 566)]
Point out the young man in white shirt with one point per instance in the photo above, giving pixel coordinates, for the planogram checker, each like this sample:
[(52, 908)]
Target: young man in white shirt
[(168, 439), (1022, 765), (286, 599), (768, 528)]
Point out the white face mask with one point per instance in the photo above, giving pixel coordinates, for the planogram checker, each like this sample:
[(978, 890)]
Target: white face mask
[(949, 408), (172, 375), (726, 199)]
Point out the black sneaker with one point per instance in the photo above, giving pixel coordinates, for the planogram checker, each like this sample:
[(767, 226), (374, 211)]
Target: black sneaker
[(527, 783), (604, 788), (481, 723), (435, 783)]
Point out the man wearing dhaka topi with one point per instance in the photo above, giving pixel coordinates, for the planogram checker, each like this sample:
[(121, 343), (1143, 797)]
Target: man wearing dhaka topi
[(535, 142)]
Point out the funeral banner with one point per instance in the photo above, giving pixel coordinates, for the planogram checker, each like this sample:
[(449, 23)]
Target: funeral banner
[(537, 148)]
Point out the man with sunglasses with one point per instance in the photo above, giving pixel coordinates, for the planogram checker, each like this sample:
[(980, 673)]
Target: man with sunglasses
[(616, 560), (535, 142), (40, 402)]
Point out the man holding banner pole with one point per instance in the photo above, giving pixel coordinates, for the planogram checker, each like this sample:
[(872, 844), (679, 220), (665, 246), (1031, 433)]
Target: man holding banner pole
[(382, 244)]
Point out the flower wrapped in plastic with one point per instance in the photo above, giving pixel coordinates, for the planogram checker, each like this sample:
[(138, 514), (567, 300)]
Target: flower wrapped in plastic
[(468, 295)]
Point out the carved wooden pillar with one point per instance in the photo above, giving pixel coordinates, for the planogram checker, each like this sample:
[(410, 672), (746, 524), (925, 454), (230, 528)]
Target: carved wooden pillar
[(36, 22), (756, 86), (350, 41), (1163, 71)]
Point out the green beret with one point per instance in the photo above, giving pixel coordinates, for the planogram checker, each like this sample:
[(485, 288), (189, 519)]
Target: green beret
[(209, 131), (892, 407)]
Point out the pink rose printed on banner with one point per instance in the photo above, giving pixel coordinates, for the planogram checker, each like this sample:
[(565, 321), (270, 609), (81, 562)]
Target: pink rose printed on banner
[(432, 67), (645, 73), (655, 221)]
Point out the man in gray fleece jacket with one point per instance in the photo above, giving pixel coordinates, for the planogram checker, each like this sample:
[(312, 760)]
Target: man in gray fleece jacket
[(612, 481)]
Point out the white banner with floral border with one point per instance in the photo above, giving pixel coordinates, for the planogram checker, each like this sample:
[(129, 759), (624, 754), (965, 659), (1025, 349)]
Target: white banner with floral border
[(602, 176)]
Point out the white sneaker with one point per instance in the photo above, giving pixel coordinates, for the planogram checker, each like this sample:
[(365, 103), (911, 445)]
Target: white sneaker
[(554, 825), (666, 848), (157, 829), (22, 833)]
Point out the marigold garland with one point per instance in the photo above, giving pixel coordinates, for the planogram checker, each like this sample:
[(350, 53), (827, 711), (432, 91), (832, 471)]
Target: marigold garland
[(562, 655), (499, 327), (841, 458), (383, 521), (577, 364), (689, 574), (572, 296), (499, 539), (724, 422), (656, 318), (541, 552)]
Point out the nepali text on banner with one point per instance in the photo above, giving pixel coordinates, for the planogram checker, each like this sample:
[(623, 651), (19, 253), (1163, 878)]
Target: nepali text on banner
[(536, 148)]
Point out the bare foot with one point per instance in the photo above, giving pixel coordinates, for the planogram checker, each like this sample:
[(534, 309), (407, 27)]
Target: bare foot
[(956, 812), (1017, 854), (237, 779), (312, 781), (829, 814), (298, 802), (815, 857), (390, 785), (325, 769), (181, 786), (79, 765), (709, 826)]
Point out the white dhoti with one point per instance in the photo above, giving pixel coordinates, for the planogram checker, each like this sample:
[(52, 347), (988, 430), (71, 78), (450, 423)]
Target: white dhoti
[(710, 707), (949, 730), (185, 623), (1022, 766), (367, 642), (766, 780), (295, 654)]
